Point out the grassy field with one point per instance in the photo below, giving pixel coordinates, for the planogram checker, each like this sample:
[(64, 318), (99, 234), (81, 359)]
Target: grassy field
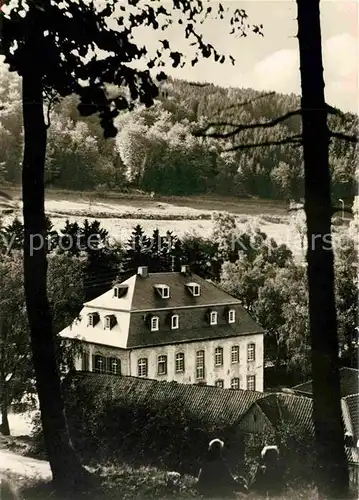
[(124, 482), (119, 213), (249, 206)]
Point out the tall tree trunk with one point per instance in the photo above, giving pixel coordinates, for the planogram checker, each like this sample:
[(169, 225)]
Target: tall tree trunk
[(329, 432), (4, 427), (65, 467)]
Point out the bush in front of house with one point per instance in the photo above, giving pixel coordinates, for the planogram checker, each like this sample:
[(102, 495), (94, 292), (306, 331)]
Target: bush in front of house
[(297, 451), (165, 435)]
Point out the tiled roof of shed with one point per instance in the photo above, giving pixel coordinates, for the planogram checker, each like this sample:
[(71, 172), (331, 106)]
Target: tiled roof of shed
[(223, 407), (349, 383), (270, 407), (298, 410), (288, 408)]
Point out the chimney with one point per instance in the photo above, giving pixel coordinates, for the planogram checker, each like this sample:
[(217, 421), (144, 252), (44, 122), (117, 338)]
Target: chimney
[(143, 271), (185, 270)]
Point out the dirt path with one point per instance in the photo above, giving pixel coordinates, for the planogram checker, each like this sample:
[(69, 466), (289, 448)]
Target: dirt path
[(24, 466)]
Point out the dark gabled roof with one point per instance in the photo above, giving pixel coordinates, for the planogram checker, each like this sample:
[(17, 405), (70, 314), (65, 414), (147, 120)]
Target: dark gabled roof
[(270, 407), (287, 408), (221, 407), (133, 309), (144, 297), (349, 383), (298, 410), (352, 403)]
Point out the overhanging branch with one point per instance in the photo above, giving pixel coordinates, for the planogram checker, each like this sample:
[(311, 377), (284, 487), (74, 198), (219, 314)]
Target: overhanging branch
[(241, 127), (295, 140), (250, 101), (344, 137)]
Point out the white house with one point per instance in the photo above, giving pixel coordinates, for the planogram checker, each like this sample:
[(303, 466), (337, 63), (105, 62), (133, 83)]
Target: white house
[(170, 326)]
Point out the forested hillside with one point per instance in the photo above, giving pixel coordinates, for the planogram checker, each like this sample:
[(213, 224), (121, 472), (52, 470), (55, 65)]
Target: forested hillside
[(156, 149)]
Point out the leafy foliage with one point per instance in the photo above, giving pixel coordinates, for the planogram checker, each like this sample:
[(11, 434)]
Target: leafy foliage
[(155, 149), (66, 298), (170, 437), (273, 288)]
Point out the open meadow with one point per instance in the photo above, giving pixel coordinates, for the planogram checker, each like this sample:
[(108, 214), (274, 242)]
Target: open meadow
[(120, 213)]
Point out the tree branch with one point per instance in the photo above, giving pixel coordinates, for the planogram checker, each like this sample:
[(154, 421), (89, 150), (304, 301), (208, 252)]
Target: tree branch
[(296, 140), (334, 111), (52, 99), (241, 127), (334, 209), (250, 101), (344, 137)]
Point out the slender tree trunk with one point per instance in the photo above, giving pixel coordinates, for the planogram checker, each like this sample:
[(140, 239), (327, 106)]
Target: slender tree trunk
[(4, 427), (329, 432), (65, 467)]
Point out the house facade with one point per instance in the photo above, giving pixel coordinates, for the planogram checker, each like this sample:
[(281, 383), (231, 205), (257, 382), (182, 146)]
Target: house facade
[(170, 327)]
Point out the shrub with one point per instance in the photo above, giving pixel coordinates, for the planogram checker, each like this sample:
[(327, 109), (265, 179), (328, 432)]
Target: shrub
[(296, 448), (165, 435)]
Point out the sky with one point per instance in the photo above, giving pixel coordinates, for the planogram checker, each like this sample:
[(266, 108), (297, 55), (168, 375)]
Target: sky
[(272, 62)]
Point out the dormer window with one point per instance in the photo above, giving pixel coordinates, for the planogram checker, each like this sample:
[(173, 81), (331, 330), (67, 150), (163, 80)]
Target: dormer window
[(213, 316), (93, 319), (231, 316), (194, 288), (174, 322), (163, 291), (120, 291), (155, 324), (110, 321)]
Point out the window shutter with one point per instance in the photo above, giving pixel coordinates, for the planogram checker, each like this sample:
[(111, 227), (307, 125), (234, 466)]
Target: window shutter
[(93, 362), (85, 361), (108, 365)]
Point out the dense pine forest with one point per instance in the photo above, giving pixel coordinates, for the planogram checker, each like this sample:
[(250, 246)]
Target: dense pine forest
[(159, 149)]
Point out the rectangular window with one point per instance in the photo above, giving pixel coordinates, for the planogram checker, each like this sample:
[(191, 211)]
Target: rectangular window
[(85, 361), (155, 324), (213, 318), (200, 365), (235, 383), (235, 354), (231, 316), (100, 364), (218, 356), (114, 366), (142, 368), (219, 384), (251, 352), (162, 365), (175, 322), (165, 292), (180, 362), (251, 383)]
